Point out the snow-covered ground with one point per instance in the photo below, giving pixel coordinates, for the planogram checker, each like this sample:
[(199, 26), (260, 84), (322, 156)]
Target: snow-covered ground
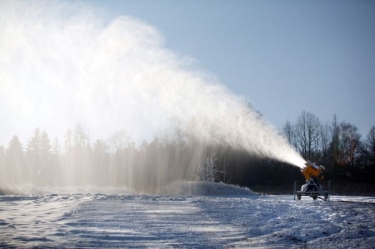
[(166, 221)]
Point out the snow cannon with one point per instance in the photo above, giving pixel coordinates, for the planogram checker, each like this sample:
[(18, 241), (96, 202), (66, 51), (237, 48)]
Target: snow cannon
[(311, 170), (312, 188)]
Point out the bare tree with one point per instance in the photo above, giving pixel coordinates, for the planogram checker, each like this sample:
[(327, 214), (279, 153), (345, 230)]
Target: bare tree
[(370, 145), (208, 169), (349, 143), (225, 171), (335, 141), (325, 140), (307, 133), (288, 131)]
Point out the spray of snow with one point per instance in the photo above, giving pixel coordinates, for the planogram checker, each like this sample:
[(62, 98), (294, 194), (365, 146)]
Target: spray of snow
[(61, 64)]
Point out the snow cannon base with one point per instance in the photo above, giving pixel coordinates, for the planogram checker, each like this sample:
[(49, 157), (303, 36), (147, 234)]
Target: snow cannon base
[(313, 190), (324, 195)]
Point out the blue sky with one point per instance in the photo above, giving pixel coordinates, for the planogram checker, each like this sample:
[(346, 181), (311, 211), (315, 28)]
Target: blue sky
[(282, 56)]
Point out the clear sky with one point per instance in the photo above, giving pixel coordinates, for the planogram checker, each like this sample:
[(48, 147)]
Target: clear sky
[(282, 56)]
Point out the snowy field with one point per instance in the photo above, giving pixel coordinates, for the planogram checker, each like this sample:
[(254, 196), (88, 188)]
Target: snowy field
[(139, 221)]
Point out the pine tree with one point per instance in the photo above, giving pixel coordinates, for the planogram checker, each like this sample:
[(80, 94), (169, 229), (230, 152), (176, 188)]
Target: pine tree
[(2, 167), (14, 161), (33, 157), (45, 159)]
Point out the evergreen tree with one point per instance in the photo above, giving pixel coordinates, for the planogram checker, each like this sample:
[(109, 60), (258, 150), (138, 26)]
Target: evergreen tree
[(33, 157), (100, 163), (56, 165), (45, 168), (14, 161), (2, 166)]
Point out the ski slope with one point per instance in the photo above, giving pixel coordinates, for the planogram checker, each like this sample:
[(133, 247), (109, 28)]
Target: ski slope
[(166, 221)]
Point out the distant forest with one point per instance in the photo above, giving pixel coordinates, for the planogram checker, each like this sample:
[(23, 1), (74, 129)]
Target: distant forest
[(347, 157)]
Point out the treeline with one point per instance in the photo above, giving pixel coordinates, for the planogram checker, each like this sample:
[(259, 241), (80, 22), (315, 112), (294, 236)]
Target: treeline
[(115, 162), (176, 155)]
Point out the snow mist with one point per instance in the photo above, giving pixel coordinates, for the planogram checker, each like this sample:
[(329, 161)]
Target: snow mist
[(62, 64)]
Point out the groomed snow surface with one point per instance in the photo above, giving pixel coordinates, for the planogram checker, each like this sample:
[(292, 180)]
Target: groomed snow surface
[(212, 216)]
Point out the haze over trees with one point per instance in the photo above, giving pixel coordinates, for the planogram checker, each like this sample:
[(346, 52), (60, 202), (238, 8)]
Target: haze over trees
[(148, 166)]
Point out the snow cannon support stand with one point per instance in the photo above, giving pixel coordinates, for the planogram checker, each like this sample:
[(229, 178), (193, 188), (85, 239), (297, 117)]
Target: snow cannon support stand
[(312, 188)]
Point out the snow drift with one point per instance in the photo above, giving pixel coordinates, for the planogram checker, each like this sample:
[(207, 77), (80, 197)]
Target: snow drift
[(205, 189)]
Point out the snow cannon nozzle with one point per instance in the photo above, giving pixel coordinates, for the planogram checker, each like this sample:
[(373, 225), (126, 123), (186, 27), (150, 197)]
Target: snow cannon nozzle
[(312, 164)]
